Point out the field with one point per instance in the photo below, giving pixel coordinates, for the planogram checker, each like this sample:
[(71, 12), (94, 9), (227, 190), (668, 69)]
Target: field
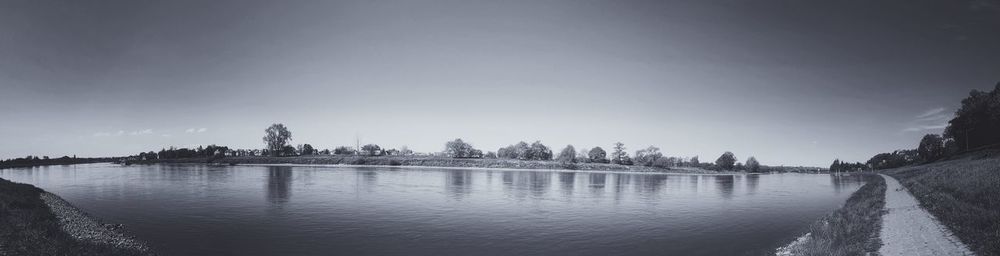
[(963, 193)]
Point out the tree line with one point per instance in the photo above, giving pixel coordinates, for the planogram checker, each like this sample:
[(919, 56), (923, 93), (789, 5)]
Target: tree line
[(975, 125)]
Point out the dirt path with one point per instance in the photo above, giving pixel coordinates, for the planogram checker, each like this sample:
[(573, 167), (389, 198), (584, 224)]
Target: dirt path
[(908, 229)]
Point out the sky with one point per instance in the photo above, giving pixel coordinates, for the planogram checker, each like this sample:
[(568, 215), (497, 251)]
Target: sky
[(789, 82)]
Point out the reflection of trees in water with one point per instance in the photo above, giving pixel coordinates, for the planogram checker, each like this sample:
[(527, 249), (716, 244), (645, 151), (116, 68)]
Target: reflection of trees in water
[(725, 184), (366, 180), (752, 181), (279, 184), (520, 183), (566, 182), (845, 182), (458, 182), (648, 184), (539, 182), (596, 182)]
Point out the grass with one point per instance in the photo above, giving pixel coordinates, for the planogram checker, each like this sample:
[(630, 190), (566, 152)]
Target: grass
[(427, 161), (850, 230), (963, 193), (28, 227)]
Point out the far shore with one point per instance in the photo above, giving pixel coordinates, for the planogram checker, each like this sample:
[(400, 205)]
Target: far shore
[(431, 162)]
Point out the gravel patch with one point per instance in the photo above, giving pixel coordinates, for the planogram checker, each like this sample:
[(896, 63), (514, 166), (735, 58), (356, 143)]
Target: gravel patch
[(87, 229), (908, 229)]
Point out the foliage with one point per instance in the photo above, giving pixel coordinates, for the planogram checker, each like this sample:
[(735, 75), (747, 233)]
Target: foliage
[(371, 149), (568, 154), (726, 161), (895, 159), (647, 156), (523, 151), (343, 150), (597, 155), (276, 138), (618, 155), (931, 147), (752, 164), (977, 121), (459, 149)]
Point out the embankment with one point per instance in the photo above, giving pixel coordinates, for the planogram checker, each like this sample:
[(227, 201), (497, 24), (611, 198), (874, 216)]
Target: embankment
[(851, 230), (34, 222), (963, 193)]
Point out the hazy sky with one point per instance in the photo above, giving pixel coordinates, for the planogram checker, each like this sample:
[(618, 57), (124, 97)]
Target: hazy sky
[(790, 82)]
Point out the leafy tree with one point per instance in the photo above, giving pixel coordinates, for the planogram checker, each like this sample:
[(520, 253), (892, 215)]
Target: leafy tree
[(539, 151), (694, 161), (490, 154), (597, 155), (752, 164), (371, 149), (647, 156), (568, 154), (343, 150), (459, 149), (287, 150), (618, 156), (276, 138), (306, 149), (931, 147), (405, 151), (977, 121), (726, 161)]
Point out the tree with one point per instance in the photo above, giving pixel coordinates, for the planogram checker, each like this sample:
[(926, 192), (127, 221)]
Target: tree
[(835, 166), (752, 164), (694, 161), (276, 138), (726, 161), (977, 121), (405, 151), (568, 154), (306, 149), (459, 149), (618, 156), (539, 151), (597, 155), (343, 150), (647, 156), (931, 147), (371, 149)]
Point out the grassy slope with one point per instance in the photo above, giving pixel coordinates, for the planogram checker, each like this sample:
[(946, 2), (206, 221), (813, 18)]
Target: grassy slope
[(28, 227), (852, 229), (962, 193), (429, 161)]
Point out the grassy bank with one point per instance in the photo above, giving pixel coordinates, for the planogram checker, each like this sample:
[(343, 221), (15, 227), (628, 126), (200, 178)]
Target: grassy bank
[(962, 193), (29, 227), (851, 230), (427, 161)]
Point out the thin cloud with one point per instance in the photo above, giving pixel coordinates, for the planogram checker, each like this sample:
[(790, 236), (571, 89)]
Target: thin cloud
[(920, 128), (189, 130), (201, 130), (196, 130), (931, 112), (142, 132)]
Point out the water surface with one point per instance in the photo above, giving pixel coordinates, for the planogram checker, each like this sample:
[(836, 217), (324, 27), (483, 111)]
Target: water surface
[(256, 210)]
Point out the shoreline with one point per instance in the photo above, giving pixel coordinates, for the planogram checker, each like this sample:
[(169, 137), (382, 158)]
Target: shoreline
[(852, 229), (36, 222), (423, 162), (494, 169)]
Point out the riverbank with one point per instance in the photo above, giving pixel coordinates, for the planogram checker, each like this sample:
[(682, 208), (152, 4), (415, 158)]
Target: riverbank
[(961, 193), (851, 230), (424, 161), (34, 222)]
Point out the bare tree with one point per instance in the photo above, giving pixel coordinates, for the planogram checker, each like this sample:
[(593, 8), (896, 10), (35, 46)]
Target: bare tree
[(276, 138)]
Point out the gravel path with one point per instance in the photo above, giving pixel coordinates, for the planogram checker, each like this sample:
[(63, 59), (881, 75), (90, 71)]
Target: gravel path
[(85, 228), (908, 229)]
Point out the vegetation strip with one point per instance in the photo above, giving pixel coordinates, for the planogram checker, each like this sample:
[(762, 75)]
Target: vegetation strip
[(850, 230), (33, 222)]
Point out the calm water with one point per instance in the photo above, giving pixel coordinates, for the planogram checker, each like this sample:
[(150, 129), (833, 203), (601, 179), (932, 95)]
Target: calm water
[(201, 210)]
